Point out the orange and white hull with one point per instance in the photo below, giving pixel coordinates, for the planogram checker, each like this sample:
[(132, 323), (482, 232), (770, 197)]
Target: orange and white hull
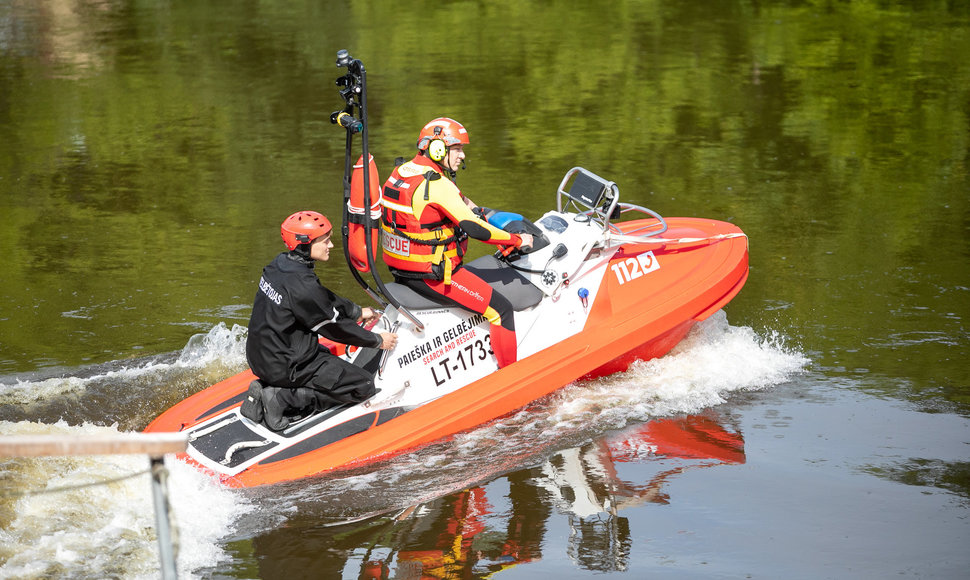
[(614, 297)]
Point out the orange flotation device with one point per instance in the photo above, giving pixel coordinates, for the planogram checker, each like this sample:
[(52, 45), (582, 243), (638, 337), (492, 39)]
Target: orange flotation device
[(357, 229)]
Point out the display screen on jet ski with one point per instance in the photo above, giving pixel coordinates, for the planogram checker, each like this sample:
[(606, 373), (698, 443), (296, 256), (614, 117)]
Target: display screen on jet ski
[(588, 190)]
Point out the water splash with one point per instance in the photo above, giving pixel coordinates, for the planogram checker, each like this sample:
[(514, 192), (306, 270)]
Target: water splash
[(714, 360), (221, 348), (103, 530), (108, 530)]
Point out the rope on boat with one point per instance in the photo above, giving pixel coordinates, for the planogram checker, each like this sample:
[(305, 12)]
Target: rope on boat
[(628, 239), (65, 488)]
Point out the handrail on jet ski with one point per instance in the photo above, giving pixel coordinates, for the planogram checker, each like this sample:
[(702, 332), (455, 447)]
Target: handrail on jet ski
[(353, 118), (601, 198)]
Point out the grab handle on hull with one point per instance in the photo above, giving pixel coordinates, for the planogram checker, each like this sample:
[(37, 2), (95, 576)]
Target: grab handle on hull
[(386, 354)]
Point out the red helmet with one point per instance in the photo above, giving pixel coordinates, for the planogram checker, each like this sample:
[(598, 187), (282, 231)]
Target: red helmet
[(303, 227), (444, 130)]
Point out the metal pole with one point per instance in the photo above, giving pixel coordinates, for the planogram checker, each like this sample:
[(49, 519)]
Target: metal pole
[(163, 528)]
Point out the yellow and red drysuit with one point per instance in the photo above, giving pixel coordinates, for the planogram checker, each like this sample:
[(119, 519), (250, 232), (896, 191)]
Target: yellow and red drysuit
[(426, 224)]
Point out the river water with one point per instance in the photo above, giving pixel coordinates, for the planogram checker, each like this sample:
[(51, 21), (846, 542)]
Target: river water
[(816, 428)]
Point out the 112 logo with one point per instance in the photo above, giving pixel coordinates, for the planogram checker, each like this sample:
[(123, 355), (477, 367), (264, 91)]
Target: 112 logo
[(633, 268)]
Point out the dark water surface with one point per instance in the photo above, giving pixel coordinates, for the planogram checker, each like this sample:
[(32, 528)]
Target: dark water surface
[(818, 428)]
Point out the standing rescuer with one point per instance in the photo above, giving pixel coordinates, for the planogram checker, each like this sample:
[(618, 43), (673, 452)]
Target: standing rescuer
[(291, 310), (426, 224)]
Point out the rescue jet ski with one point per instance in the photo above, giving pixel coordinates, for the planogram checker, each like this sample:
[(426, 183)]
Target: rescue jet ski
[(607, 283)]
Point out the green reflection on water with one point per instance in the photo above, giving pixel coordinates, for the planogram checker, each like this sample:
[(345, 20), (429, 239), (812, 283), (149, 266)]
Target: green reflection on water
[(149, 152)]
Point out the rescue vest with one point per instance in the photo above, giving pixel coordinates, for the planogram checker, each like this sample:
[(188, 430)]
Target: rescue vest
[(429, 245)]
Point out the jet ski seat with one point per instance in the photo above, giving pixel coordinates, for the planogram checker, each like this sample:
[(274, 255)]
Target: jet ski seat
[(520, 292)]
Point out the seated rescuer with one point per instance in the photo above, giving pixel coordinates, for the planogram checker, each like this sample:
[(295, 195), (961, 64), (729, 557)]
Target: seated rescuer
[(426, 224), (291, 309)]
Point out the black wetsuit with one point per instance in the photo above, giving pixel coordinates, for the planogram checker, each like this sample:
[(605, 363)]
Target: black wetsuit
[(291, 308)]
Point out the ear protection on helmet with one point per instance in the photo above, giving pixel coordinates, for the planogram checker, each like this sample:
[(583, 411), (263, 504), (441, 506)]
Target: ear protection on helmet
[(437, 150), (440, 134)]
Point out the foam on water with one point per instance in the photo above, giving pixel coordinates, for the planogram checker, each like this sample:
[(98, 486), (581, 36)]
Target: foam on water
[(221, 346), (52, 524), (108, 530), (714, 360)]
